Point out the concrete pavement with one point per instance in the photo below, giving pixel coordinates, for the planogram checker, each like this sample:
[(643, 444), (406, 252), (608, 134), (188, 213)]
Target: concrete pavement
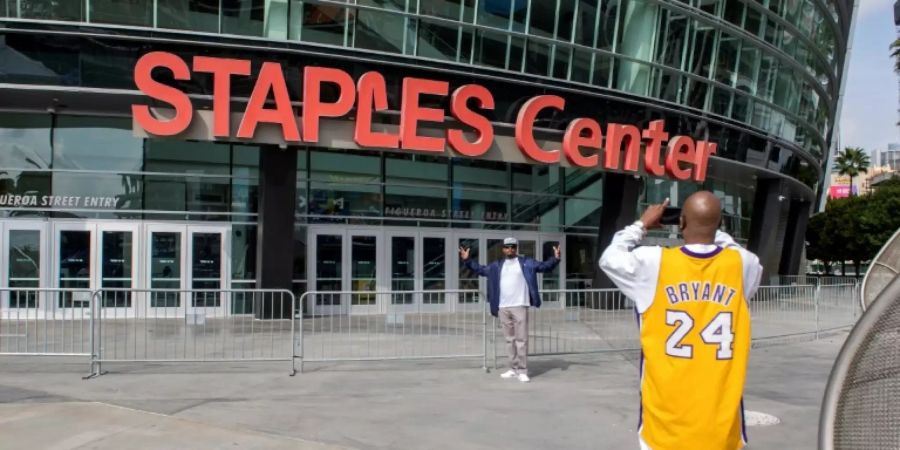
[(573, 402)]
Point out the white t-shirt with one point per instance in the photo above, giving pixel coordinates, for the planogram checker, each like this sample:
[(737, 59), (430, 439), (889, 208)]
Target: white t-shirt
[(636, 270), (513, 290)]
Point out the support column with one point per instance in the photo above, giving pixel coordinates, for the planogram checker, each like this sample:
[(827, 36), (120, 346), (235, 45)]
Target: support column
[(768, 225), (620, 199), (795, 238), (275, 230)]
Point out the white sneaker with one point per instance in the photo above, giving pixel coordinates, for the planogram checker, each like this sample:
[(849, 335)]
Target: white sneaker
[(523, 377), (508, 374)]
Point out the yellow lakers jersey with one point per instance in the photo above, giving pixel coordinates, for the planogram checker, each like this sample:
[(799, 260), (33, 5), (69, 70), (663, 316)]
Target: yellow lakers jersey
[(695, 340)]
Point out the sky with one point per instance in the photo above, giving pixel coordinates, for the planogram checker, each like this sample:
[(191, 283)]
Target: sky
[(870, 110)]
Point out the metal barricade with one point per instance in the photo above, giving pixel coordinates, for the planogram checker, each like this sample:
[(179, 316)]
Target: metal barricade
[(783, 312), (46, 321), (392, 325), (839, 306), (193, 325), (577, 321)]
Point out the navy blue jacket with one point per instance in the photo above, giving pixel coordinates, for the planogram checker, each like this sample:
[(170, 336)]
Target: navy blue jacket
[(530, 268)]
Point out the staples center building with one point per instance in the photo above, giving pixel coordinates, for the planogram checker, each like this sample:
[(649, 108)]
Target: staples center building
[(321, 145)]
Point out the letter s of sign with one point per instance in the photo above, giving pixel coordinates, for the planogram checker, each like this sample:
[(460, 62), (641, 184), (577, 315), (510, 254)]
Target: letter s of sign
[(143, 79), (459, 107)]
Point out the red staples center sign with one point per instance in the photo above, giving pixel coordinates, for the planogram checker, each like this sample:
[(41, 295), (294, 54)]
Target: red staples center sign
[(679, 157)]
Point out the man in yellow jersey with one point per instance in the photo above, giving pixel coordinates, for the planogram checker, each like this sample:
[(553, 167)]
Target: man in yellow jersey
[(694, 320)]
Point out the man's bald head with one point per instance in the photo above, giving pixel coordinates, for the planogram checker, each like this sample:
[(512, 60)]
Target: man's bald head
[(700, 217)]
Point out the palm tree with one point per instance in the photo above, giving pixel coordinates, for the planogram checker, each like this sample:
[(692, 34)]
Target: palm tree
[(895, 53), (851, 162)]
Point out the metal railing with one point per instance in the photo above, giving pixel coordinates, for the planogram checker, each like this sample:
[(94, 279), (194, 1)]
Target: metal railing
[(238, 325), (392, 325), (46, 321), (577, 321), (193, 325)]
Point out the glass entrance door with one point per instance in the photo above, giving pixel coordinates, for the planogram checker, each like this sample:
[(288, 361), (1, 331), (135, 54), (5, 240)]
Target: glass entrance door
[(24, 263), (206, 277), (192, 259), (418, 264), (91, 256), (74, 257), (117, 255), (343, 271)]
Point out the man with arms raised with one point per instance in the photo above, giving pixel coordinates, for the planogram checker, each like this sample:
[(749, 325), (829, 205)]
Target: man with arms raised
[(694, 326)]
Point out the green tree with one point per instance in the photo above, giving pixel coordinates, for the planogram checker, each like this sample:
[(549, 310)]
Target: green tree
[(854, 229), (851, 162), (895, 53)]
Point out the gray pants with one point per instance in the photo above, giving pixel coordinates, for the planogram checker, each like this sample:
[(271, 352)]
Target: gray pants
[(515, 328)]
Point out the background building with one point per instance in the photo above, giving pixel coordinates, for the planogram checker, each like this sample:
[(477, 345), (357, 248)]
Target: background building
[(90, 200)]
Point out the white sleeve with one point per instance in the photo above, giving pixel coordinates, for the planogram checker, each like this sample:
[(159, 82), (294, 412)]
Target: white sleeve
[(634, 271), (752, 269)]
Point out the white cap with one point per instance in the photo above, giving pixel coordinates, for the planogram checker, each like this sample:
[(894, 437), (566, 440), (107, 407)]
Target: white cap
[(510, 241)]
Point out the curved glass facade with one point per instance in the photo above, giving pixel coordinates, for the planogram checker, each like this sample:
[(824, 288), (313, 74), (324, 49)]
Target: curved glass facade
[(759, 78), (770, 64)]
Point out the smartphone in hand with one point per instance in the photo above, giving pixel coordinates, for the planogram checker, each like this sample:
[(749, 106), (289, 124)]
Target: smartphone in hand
[(671, 216)]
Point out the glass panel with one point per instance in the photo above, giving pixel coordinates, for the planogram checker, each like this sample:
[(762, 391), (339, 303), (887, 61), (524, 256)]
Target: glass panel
[(165, 268), (243, 266), (255, 18), (329, 261), (206, 268), (75, 268), (434, 269), (25, 141), (403, 268), (535, 209), (245, 179), (324, 24), (346, 184), (379, 31), (131, 12), (115, 267), (70, 10), (190, 187), (25, 144), (467, 278), (195, 15), (581, 261), (363, 264), (551, 279), (583, 212), (24, 266)]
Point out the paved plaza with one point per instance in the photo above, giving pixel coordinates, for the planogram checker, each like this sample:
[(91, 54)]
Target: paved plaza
[(573, 402)]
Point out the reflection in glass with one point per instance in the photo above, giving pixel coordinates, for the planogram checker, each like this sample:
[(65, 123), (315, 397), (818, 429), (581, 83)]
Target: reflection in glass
[(329, 261), (434, 269), (75, 268), (24, 266), (467, 278), (403, 268), (71, 10), (131, 12), (243, 266), (324, 23), (363, 265), (115, 267), (195, 15), (551, 279), (581, 261), (165, 268), (206, 268), (255, 18)]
